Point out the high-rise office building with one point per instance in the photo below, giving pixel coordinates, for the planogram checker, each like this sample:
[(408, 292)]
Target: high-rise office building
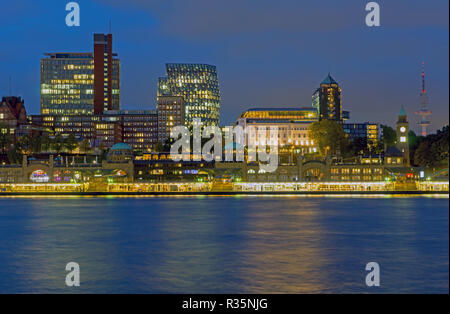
[(198, 85), (171, 111), (106, 75), (81, 83), (327, 100)]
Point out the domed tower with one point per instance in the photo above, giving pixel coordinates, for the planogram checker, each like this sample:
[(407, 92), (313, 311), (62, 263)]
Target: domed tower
[(402, 136), (120, 152)]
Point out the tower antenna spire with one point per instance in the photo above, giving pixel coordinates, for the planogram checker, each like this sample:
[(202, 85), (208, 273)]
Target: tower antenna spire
[(423, 112), (423, 79)]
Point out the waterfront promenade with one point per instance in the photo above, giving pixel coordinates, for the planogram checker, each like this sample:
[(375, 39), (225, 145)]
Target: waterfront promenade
[(210, 188)]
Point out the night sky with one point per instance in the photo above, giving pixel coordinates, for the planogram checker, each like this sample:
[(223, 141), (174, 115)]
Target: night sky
[(267, 52)]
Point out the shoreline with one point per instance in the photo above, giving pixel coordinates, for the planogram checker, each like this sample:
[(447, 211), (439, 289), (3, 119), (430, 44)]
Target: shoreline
[(224, 193)]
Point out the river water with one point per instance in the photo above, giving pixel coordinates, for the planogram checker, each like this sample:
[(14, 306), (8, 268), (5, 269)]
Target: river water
[(241, 244)]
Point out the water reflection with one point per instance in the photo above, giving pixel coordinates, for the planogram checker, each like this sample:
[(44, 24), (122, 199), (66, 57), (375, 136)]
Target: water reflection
[(223, 244)]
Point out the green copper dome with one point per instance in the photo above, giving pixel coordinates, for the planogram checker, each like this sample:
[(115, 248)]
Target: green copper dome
[(121, 146)]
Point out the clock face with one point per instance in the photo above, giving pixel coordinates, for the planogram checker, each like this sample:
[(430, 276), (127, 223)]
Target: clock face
[(402, 129)]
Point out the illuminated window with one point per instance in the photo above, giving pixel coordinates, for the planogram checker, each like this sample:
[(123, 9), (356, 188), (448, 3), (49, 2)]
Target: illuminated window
[(403, 139)]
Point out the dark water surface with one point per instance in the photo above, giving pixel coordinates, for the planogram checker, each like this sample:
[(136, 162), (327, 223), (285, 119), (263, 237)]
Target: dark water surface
[(224, 244)]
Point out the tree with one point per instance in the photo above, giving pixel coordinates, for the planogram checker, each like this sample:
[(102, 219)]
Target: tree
[(422, 154), (358, 146), (70, 143), (57, 143), (85, 146), (23, 144), (330, 137), (433, 150), (389, 136), (36, 143), (14, 155), (5, 141), (46, 143), (159, 147)]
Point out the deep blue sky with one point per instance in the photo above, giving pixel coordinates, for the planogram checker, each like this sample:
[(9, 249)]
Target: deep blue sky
[(268, 52)]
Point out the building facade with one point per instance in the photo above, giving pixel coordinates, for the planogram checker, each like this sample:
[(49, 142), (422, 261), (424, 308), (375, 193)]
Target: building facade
[(292, 125), (12, 115), (137, 128), (372, 132), (327, 100), (198, 84), (171, 112), (81, 83), (106, 75)]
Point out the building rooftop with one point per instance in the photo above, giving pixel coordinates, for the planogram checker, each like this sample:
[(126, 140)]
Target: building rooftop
[(329, 80), (393, 152), (282, 109), (121, 146)]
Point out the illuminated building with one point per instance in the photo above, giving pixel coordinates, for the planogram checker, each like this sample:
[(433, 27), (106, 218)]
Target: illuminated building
[(372, 132), (171, 112), (12, 115), (81, 83), (137, 128), (198, 85), (159, 167), (292, 124), (328, 102), (402, 135), (107, 133)]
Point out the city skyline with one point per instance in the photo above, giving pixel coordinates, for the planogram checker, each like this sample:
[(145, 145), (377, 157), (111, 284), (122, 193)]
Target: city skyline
[(246, 77)]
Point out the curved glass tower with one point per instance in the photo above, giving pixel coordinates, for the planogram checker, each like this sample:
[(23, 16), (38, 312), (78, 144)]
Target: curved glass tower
[(198, 85)]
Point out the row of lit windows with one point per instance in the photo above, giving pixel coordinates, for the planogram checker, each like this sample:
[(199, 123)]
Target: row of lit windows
[(356, 171)]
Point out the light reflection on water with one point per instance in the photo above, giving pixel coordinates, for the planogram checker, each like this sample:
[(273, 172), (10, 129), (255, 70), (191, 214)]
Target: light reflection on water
[(241, 244)]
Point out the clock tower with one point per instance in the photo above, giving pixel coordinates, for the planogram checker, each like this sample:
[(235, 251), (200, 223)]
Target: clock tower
[(402, 136)]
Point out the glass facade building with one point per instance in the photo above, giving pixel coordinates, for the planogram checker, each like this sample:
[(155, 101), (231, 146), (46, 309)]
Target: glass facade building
[(372, 132), (67, 84), (81, 83), (198, 84)]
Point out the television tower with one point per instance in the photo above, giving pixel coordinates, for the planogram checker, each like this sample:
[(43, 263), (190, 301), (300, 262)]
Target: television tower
[(423, 112)]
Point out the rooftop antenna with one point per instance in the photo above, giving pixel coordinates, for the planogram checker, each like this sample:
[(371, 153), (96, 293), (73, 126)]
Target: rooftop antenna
[(10, 86)]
